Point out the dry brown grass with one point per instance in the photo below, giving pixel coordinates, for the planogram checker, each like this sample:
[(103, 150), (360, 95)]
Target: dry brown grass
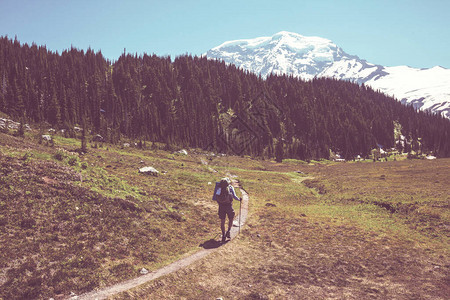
[(319, 242), (74, 223)]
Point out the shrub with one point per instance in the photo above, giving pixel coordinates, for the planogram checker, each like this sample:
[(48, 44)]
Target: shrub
[(73, 160), (176, 216), (27, 157), (59, 155)]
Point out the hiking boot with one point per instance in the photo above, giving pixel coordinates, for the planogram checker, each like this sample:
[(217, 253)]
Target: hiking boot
[(228, 235)]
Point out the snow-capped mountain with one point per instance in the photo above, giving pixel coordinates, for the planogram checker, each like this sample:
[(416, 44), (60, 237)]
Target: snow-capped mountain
[(309, 57)]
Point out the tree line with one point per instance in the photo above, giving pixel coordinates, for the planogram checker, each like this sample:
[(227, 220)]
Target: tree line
[(196, 102)]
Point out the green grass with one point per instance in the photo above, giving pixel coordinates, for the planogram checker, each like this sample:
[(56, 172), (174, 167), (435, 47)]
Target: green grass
[(294, 161), (196, 179), (66, 142), (99, 180)]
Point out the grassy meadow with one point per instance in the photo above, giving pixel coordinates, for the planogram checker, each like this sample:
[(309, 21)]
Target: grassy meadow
[(356, 230), (72, 223), (334, 231)]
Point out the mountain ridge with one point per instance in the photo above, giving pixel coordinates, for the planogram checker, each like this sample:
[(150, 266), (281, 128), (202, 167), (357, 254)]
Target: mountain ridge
[(310, 57)]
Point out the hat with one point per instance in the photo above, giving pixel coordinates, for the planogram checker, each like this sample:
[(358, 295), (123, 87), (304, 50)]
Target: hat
[(226, 179)]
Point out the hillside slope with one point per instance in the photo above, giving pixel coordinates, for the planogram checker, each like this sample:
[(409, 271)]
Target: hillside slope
[(72, 223)]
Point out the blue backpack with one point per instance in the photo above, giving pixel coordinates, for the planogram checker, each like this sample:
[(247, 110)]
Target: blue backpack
[(222, 193)]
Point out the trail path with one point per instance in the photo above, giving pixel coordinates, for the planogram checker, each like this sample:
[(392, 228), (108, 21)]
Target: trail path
[(173, 267)]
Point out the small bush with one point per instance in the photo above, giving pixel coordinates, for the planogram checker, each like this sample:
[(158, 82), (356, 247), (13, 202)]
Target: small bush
[(27, 157), (73, 161), (59, 155), (176, 216)]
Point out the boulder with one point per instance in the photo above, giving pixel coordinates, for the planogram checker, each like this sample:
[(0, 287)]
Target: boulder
[(13, 125), (10, 124), (46, 137), (97, 138), (149, 171), (183, 151)]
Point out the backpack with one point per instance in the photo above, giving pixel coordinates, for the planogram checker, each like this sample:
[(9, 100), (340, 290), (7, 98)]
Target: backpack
[(225, 196)]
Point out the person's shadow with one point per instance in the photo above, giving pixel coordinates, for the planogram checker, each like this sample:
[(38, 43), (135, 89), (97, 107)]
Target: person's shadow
[(211, 244)]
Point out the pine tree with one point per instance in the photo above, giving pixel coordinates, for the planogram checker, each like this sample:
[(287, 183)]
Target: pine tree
[(53, 108), (279, 150), (183, 103)]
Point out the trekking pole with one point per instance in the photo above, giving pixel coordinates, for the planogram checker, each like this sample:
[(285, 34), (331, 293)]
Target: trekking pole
[(240, 205)]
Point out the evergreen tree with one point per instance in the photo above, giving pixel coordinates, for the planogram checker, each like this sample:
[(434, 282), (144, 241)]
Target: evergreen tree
[(185, 102), (279, 151), (53, 108)]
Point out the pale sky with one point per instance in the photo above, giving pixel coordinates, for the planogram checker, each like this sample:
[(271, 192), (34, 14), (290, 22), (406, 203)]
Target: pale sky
[(386, 32)]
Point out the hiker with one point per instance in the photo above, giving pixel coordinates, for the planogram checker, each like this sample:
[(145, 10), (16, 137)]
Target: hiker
[(225, 196)]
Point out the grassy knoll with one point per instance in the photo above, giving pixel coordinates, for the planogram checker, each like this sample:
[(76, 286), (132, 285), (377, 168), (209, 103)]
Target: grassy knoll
[(344, 231), (72, 223)]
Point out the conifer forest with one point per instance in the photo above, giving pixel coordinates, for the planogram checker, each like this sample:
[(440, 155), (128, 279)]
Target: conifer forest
[(200, 103)]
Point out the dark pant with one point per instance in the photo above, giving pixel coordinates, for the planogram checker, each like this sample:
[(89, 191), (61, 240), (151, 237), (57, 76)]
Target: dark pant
[(226, 210)]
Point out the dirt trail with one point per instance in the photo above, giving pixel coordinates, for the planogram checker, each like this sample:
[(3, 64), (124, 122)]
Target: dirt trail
[(173, 267)]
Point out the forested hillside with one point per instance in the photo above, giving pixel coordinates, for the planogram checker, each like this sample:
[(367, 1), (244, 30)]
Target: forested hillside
[(196, 102)]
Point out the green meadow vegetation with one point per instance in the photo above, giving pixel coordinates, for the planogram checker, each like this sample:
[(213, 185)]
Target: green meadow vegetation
[(318, 229)]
